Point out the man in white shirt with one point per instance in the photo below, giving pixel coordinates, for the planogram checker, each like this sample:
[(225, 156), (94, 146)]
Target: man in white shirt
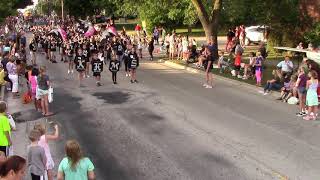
[(286, 66)]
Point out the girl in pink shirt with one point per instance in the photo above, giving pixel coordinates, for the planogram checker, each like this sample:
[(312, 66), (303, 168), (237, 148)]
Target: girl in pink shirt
[(43, 142), (33, 87)]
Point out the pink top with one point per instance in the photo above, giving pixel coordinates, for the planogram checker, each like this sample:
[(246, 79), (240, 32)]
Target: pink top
[(44, 144), (33, 83)]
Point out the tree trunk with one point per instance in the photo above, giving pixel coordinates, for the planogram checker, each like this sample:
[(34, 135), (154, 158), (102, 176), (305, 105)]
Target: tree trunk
[(189, 29), (209, 22)]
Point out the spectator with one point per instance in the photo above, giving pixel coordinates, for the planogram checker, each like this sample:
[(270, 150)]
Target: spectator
[(301, 89), (75, 166), (222, 63), (258, 68), (5, 130), (286, 66), (43, 90), (237, 65), (230, 36), (263, 50), (300, 46), (13, 168), (287, 89), (273, 84), (36, 157), (13, 76), (2, 82), (249, 68), (208, 65), (43, 142), (312, 97), (238, 49)]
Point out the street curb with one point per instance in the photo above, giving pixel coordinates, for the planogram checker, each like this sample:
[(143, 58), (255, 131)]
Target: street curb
[(221, 78)]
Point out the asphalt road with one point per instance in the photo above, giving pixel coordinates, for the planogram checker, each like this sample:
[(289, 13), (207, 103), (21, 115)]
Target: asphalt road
[(169, 127)]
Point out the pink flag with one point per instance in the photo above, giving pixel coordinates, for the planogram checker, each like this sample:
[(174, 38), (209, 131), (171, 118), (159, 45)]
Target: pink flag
[(90, 32), (63, 34), (113, 30)]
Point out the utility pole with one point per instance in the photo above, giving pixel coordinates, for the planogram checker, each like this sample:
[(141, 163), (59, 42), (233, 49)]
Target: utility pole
[(62, 9)]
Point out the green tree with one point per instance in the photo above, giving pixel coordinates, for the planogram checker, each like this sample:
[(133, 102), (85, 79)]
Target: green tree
[(9, 7)]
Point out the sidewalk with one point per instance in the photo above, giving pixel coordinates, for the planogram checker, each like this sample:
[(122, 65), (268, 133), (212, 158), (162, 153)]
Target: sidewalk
[(190, 68), (26, 117)]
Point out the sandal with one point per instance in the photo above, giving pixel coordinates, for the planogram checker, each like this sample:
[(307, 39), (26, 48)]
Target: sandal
[(309, 118)]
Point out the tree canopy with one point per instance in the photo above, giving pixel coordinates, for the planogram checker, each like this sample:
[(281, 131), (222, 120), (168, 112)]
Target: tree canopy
[(9, 7)]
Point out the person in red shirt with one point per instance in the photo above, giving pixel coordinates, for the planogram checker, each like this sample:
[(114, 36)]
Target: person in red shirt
[(237, 65), (138, 29)]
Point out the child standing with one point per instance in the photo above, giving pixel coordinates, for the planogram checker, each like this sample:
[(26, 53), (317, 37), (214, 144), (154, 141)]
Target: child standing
[(43, 142), (301, 88), (33, 87), (97, 67), (133, 64), (114, 67), (258, 68), (312, 96), (80, 63), (2, 82), (5, 130), (36, 157)]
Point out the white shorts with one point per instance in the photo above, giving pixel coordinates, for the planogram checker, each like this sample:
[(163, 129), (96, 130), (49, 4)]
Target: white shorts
[(15, 84)]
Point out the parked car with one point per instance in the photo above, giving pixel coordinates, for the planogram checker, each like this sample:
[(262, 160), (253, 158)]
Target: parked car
[(256, 34)]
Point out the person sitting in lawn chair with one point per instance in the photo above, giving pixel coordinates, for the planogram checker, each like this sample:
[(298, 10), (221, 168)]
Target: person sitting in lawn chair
[(193, 54)]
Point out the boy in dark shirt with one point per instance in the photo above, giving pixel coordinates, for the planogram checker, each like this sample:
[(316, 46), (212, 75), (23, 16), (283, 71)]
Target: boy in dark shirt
[(97, 67), (80, 63)]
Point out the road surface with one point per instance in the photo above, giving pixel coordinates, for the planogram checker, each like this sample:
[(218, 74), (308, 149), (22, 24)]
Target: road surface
[(169, 127)]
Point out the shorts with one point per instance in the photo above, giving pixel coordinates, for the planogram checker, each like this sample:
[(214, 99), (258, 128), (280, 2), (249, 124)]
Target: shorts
[(4, 149), (172, 49), (206, 65), (95, 74), (80, 70), (70, 58), (237, 67), (302, 90), (50, 163), (42, 92)]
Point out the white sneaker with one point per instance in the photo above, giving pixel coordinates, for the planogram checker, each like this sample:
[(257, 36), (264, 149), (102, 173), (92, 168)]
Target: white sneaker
[(72, 71), (68, 71), (208, 87), (239, 76), (127, 74), (265, 93), (88, 76), (204, 85), (261, 92)]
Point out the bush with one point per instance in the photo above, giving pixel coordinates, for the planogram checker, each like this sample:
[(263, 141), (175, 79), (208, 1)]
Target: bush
[(313, 36)]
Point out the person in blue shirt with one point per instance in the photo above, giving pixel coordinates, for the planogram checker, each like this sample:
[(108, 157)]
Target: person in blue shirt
[(286, 66)]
